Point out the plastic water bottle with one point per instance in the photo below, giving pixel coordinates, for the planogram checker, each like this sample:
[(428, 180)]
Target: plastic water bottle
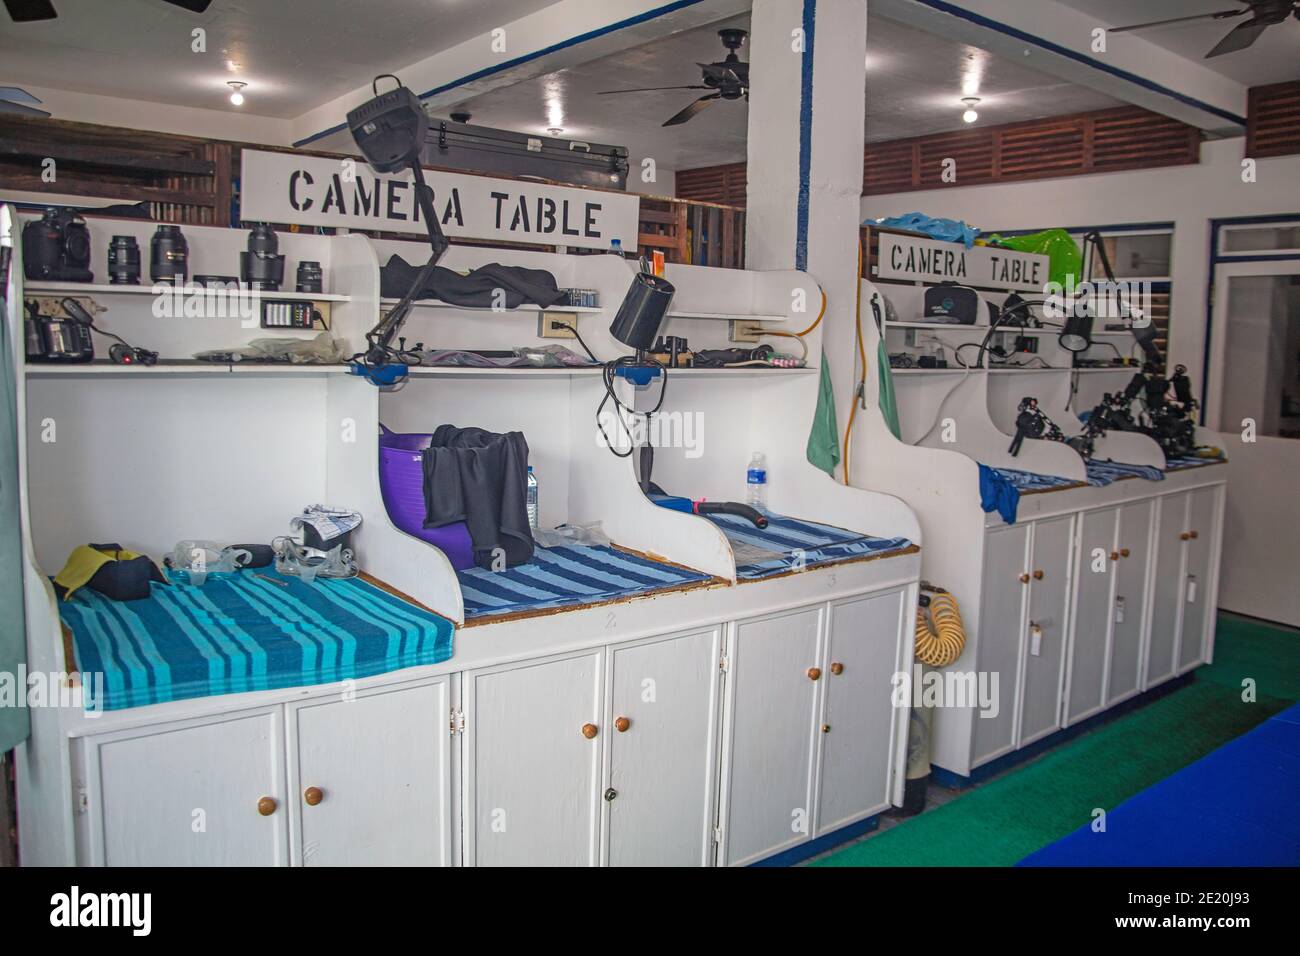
[(532, 498), (756, 482), (616, 247)]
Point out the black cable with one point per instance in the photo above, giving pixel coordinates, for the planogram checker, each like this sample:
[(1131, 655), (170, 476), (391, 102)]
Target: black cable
[(581, 341), (609, 374)]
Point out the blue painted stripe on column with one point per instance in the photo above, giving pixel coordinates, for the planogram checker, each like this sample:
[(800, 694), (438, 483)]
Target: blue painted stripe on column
[(944, 7), (805, 134), (527, 57)]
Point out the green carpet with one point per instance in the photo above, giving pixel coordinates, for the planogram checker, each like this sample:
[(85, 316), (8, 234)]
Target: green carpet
[(1001, 822)]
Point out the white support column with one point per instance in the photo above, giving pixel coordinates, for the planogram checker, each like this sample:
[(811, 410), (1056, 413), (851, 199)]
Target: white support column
[(807, 107)]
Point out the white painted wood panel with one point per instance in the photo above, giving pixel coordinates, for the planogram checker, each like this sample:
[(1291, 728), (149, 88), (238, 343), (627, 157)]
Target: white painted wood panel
[(382, 761), (188, 795), (1198, 594), (772, 710), (1167, 588), (1040, 705), (531, 776), (1095, 580), (1131, 588), (859, 718), (663, 768), (1006, 558)]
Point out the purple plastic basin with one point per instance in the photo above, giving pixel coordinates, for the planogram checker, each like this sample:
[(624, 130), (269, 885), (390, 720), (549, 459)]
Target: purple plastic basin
[(401, 483)]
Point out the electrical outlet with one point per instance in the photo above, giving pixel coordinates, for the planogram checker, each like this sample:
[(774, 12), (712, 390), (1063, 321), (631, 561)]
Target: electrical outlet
[(52, 305), (550, 325), (740, 330)]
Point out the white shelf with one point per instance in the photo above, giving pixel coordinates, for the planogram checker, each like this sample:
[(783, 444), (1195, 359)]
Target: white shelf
[(438, 304), (195, 369), (87, 288), (727, 316), (1003, 370), (937, 326), (1126, 369), (933, 371), (461, 372)]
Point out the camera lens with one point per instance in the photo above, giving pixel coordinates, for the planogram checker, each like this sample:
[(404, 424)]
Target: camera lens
[(123, 261), (260, 267), (310, 277), (169, 255)]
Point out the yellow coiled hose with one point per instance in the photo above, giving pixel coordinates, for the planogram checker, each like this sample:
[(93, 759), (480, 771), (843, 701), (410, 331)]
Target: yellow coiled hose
[(940, 635)]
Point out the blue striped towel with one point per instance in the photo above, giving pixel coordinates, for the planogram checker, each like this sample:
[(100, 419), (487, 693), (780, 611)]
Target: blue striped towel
[(1192, 461), (1102, 473), (788, 544), (567, 576), (240, 632)]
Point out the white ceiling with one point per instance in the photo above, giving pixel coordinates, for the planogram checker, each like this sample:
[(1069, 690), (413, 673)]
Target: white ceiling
[(915, 82), (1274, 57), (293, 55)]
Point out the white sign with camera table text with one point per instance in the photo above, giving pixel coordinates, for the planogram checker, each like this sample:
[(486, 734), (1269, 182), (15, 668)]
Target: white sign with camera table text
[(345, 192), (930, 260)]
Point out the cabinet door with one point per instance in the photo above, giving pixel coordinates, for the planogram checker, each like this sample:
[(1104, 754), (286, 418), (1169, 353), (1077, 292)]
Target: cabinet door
[(194, 795), (859, 720), (1130, 605), (371, 778), (1166, 588), (1044, 636), (1097, 560), (532, 762), (773, 708), (662, 738), (1006, 560), (1202, 513)]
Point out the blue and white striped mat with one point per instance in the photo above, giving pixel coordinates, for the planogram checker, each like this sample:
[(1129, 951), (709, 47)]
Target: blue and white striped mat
[(787, 544), (1192, 461), (566, 576), (240, 632)]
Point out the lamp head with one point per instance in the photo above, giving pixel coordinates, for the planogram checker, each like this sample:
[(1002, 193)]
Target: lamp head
[(390, 129)]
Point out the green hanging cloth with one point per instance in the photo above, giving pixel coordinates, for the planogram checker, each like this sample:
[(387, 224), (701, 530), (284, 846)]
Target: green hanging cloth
[(888, 406), (14, 725), (823, 440)]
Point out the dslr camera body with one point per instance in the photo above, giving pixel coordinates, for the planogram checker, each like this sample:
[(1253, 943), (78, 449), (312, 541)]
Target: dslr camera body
[(56, 247)]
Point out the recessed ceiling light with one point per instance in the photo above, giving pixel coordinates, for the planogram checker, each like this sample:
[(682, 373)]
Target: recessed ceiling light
[(555, 130), (970, 115), (236, 97)]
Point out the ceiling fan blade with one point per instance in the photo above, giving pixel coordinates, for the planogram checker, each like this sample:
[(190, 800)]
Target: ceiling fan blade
[(1221, 15), (21, 109), (28, 11), (15, 94), (194, 6), (703, 103), (653, 89), (1239, 37)]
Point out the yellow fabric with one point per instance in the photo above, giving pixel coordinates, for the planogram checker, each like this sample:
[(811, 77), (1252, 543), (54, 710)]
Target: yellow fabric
[(82, 564)]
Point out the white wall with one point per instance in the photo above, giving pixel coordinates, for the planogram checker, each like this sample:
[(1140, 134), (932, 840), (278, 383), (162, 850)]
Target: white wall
[(1188, 196)]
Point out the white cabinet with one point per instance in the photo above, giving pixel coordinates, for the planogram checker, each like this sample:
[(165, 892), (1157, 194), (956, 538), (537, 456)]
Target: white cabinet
[(812, 730), (1184, 581), (859, 721), (1129, 610), (371, 777), (1097, 563), (196, 793), (661, 768), (772, 713), (1022, 632), (532, 762), (1045, 631)]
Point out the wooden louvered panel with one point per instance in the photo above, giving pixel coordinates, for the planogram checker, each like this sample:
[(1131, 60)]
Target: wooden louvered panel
[(1273, 120), (724, 185), (888, 167), (1134, 138), (971, 154)]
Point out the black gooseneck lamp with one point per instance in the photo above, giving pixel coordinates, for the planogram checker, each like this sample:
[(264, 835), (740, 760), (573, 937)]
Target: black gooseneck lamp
[(390, 131)]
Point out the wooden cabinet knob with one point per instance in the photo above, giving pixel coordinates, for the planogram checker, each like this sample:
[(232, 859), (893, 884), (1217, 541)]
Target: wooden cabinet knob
[(1024, 578), (1185, 536), (837, 668), (1123, 552), (1038, 575), (814, 673), (826, 728), (266, 806), (1194, 534), (622, 724), (313, 796), (589, 731), (1114, 555)]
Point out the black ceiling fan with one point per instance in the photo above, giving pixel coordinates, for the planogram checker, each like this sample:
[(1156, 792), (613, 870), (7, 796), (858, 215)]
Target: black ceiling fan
[(1263, 14), (728, 79), (29, 11)]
